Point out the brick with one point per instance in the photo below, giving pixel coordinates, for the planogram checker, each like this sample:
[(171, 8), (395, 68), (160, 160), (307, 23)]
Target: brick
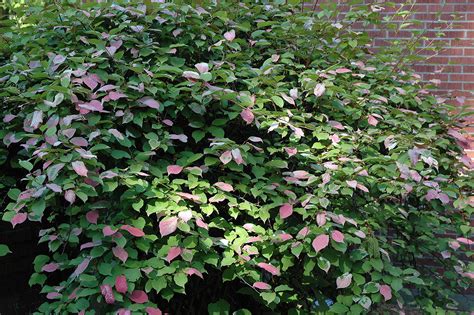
[(462, 60), (469, 34), (447, 52), (469, 7), (462, 77), (440, 60), (468, 86), (451, 34), (462, 93), (468, 69), (425, 68), (439, 76)]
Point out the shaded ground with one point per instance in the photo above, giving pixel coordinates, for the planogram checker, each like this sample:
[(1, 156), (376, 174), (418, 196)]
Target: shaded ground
[(16, 296)]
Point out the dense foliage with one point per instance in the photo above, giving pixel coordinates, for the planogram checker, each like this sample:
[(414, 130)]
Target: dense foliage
[(233, 157)]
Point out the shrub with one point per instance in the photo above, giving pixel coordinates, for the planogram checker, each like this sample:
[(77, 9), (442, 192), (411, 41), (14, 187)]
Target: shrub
[(232, 157)]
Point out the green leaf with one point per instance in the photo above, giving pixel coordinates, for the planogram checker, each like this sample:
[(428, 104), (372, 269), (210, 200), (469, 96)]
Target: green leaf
[(198, 135), (221, 307), (180, 279), (158, 284), (268, 297), (277, 164), (339, 308), (4, 250), (278, 101), (26, 165)]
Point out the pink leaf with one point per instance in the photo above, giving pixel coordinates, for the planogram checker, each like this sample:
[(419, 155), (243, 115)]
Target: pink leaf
[(107, 293), (117, 134), (90, 81), (185, 215), (79, 168), (53, 295), (133, 230), (286, 210), (150, 102), (284, 237), (224, 186), (201, 224), (303, 232), (326, 179), (188, 196), (54, 187), (51, 267), (226, 157), (81, 267), (294, 93), (153, 311), (343, 70), (262, 286), (168, 226), (344, 281), (270, 268), (320, 242), (202, 67), (181, 137), (415, 176), (372, 120), (237, 156), (120, 253), (92, 216), (334, 139), (287, 98), (18, 219), (194, 271), (8, 118), (230, 35), (464, 240), (363, 188), (191, 75), (139, 297), (79, 141), (300, 174), (93, 105), (168, 122), (443, 198), (116, 43), (321, 218), (291, 151), (173, 252), (111, 50), (454, 245), (386, 292), (107, 87), (121, 285), (298, 132), (107, 231), (363, 173), (113, 95), (174, 169), (337, 236), (247, 115), (352, 183), (319, 89), (90, 244), (336, 124)]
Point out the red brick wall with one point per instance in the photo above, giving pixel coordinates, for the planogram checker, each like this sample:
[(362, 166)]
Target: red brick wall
[(454, 65)]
